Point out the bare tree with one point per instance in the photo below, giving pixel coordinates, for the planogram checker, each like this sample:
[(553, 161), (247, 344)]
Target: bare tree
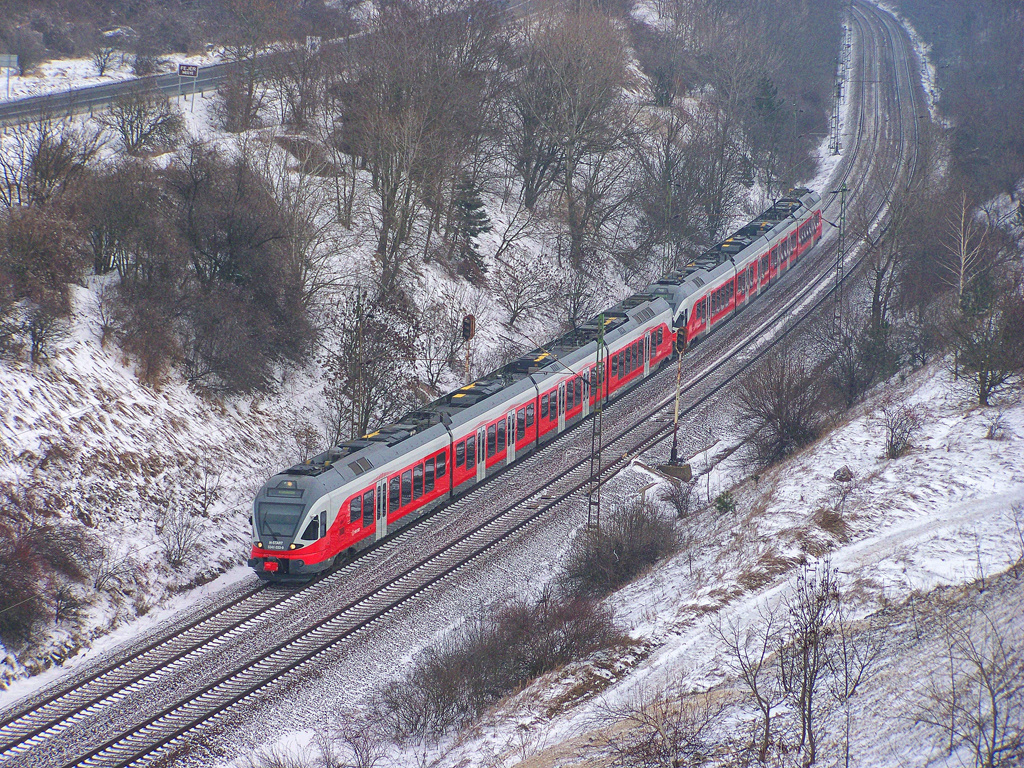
[(102, 58), (780, 406), (901, 422), (180, 532), (813, 610), (144, 120), (852, 656), (242, 97), (303, 202), (412, 96), (112, 567), (438, 331), (44, 158), (665, 730), (884, 253), (369, 367), (984, 333), (359, 743), (577, 298), (754, 650), (1017, 510), (967, 243), (523, 287), (298, 78), (979, 704), (571, 121)]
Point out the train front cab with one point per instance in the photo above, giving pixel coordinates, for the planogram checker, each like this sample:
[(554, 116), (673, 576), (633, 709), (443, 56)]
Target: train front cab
[(292, 530)]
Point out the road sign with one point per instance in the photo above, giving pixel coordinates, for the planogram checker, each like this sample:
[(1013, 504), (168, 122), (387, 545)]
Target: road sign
[(8, 61), (188, 70)]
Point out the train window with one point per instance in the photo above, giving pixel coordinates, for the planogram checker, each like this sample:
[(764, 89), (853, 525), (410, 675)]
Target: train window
[(395, 493), (520, 424), (460, 453), (636, 355), (501, 436), (428, 475), (312, 532), (471, 453), (368, 508), (615, 366), (529, 415), (417, 481), (569, 400), (406, 487), (579, 389), (442, 460), (544, 407), (661, 336), (355, 509), (593, 383), (490, 441)]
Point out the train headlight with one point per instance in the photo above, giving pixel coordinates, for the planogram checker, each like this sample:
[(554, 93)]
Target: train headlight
[(259, 545), (293, 546)]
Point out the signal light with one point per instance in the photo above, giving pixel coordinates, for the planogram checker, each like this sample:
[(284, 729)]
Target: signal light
[(681, 341), (468, 327)]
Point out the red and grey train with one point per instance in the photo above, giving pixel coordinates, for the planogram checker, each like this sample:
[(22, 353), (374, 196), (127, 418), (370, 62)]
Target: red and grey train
[(308, 516)]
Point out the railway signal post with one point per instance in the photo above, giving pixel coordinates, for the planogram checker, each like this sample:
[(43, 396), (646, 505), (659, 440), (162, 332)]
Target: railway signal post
[(468, 332), (680, 348)]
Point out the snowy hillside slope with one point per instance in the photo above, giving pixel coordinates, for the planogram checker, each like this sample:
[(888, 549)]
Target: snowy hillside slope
[(916, 540), (97, 446)]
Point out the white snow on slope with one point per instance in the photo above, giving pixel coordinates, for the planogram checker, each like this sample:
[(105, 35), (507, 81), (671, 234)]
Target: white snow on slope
[(940, 515), (111, 452)]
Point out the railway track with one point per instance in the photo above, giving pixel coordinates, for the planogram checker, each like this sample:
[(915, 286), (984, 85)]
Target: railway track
[(57, 731)]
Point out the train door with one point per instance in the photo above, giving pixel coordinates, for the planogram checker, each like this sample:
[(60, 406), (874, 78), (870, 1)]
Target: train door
[(561, 406), (588, 376), (510, 436), (382, 508), (481, 456), (647, 354)]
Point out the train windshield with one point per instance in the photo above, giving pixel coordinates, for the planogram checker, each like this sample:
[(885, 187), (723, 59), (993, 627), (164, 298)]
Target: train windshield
[(278, 521)]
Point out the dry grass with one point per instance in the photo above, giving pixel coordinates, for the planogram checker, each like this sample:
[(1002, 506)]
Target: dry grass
[(769, 566), (830, 521)]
